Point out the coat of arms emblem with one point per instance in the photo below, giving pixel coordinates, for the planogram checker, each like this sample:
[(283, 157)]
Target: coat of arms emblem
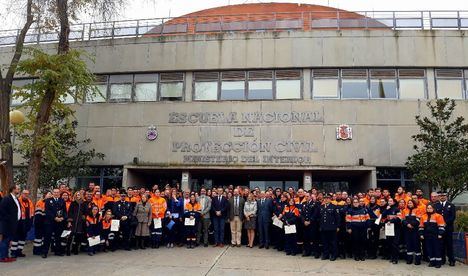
[(344, 132), (151, 133)]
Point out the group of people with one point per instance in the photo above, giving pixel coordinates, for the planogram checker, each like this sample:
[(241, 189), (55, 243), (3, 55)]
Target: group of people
[(311, 223)]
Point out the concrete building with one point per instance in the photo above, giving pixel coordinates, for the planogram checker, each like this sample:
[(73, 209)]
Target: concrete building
[(266, 95)]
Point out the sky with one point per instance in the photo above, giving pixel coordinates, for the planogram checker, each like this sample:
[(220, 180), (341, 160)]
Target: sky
[(139, 9)]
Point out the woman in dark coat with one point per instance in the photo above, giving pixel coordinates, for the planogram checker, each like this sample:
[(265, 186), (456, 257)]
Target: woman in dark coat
[(76, 224)]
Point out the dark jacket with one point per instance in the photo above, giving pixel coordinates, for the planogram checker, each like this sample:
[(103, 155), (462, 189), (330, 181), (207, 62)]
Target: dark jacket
[(76, 215), (53, 209), (448, 212), (329, 217), (240, 210), (8, 216), (265, 210), (217, 205)]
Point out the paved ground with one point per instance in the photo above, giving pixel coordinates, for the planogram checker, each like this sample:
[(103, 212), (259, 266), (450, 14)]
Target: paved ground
[(211, 261)]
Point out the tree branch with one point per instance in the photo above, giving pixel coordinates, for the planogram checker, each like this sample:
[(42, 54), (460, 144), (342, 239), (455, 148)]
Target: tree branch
[(20, 43)]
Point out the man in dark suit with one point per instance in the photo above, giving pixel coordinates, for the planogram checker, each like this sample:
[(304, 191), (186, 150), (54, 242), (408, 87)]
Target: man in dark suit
[(329, 226), (54, 223), (447, 210), (265, 212), (219, 207), (236, 215), (10, 214)]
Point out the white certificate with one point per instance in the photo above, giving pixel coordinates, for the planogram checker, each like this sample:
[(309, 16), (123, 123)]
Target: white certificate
[(277, 222), (94, 241), (65, 233), (389, 229), (290, 229), (115, 225), (157, 223), (189, 222), (377, 221)]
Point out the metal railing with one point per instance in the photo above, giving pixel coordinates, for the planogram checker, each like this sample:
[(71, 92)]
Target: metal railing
[(328, 20)]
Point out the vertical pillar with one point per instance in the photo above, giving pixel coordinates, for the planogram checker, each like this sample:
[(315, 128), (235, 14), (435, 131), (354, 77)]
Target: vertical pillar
[(307, 180), (125, 178), (185, 181)]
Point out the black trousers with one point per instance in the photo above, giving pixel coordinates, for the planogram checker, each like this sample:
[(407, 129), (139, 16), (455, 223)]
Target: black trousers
[(329, 242), (358, 239), (373, 241), (393, 244), (74, 241), (434, 249), (290, 244), (447, 246), (413, 246), (53, 230), (311, 239)]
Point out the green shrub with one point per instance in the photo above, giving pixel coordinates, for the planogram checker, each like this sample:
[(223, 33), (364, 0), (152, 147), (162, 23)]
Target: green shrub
[(461, 222)]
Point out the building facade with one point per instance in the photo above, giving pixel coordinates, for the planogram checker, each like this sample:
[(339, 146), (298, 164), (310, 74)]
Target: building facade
[(305, 102)]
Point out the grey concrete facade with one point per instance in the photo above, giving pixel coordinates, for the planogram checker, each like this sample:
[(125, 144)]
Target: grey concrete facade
[(381, 128)]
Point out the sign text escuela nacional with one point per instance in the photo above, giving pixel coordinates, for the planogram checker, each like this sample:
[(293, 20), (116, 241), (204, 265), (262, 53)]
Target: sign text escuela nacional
[(246, 148)]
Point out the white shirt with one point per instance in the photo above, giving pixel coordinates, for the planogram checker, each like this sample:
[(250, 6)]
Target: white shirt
[(17, 205), (443, 203)]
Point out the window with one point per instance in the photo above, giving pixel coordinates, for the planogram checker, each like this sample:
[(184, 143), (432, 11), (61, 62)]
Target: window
[(69, 97), (146, 87), (288, 84), (206, 86), (120, 87), (172, 86), (232, 85), (383, 84), (260, 85), (412, 83), (325, 83), (354, 84), (17, 87), (101, 85), (449, 83)]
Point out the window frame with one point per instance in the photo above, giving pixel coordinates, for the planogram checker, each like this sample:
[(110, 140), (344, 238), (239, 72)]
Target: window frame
[(423, 78), (461, 78), (160, 82), (145, 82)]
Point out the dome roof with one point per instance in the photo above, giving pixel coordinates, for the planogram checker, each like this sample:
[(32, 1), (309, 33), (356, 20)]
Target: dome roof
[(264, 17)]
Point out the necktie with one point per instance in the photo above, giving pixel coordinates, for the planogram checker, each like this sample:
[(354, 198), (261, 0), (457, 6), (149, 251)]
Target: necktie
[(219, 198), (263, 200)]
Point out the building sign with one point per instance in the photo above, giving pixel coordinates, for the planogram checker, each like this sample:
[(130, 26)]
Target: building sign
[(245, 146), (344, 132)]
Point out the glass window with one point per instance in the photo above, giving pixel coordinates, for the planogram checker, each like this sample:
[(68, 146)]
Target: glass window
[(354, 89), (146, 92), (288, 89), (206, 91), (171, 91), (325, 88), (68, 99), (233, 90), (447, 88), (412, 89), (146, 87), (121, 87), (383, 88), (100, 97), (261, 90)]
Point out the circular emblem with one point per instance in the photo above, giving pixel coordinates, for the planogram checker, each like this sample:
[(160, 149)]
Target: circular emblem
[(151, 133)]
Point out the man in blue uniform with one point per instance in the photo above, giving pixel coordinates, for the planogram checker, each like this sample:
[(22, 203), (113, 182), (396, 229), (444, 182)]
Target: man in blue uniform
[(329, 226), (54, 223), (123, 212), (310, 215), (447, 210)]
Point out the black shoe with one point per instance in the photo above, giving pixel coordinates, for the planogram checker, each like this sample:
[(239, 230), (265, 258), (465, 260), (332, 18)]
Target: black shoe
[(333, 259), (267, 247), (261, 246), (452, 263), (431, 264), (356, 258), (305, 254), (288, 253), (59, 254), (437, 266), (205, 245), (394, 262), (317, 256), (20, 255), (409, 262), (44, 256), (417, 262), (324, 258), (363, 259), (293, 254)]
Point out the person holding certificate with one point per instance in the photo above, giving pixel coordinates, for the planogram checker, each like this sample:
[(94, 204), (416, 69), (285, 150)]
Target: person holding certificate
[(392, 218), (279, 203), (93, 229), (158, 207), (191, 217), (290, 217)]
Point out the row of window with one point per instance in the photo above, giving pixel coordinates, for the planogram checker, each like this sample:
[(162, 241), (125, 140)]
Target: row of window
[(277, 85)]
